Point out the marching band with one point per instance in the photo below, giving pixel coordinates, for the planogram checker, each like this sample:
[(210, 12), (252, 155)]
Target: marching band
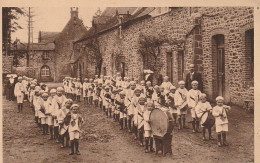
[(128, 102)]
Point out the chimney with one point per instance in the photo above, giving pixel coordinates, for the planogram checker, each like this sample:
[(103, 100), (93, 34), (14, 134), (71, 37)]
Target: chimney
[(74, 12)]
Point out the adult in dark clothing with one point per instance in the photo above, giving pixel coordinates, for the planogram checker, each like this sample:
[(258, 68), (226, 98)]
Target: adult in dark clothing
[(10, 87), (191, 76)]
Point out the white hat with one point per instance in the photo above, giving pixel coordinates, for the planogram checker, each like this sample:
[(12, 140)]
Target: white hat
[(19, 78), (181, 82), (68, 100), (37, 88), (142, 82), (41, 91), (60, 89), (74, 106), (194, 82), (219, 98), (53, 91), (148, 82), (172, 87), (44, 94), (122, 93), (203, 95), (138, 88), (166, 77), (132, 82)]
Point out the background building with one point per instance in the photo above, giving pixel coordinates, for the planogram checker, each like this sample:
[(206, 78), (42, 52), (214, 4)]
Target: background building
[(218, 40)]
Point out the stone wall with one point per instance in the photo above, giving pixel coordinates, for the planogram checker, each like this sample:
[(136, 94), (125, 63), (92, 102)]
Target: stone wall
[(195, 28), (36, 62), (232, 23), (64, 46), (175, 26)]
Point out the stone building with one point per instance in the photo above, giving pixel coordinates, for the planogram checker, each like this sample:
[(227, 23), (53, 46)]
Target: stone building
[(219, 41), (73, 31), (49, 59), (41, 61)]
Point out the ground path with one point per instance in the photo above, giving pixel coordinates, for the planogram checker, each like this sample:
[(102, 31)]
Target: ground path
[(102, 141)]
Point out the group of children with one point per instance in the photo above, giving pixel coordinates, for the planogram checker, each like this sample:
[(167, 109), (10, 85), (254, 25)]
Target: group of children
[(55, 114), (130, 103)]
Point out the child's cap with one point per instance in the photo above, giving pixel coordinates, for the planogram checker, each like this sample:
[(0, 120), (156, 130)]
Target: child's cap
[(142, 82), (37, 88), (76, 106), (53, 91), (203, 95), (219, 98), (172, 87), (121, 93), (181, 82), (20, 78), (60, 89), (132, 82), (161, 87), (68, 100), (150, 102), (148, 82), (41, 92), (138, 89), (194, 82), (156, 87), (45, 94)]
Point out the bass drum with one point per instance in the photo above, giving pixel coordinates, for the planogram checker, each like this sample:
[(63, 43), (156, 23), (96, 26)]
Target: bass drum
[(161, 122), (207, 120)]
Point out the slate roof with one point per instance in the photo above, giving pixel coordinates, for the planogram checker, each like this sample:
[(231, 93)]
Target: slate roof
[(109, 20), (35, 46), (47, 37), (111, 11)]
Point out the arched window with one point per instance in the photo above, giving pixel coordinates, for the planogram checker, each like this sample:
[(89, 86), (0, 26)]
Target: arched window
[(45, 71)]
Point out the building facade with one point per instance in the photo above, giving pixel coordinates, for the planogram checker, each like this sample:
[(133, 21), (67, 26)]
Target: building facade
[(219, 41), (49, 59)]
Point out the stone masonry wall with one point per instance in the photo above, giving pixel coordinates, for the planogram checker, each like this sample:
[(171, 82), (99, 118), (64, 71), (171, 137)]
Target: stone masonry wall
[(232, 23), (64, 47), (181, 24)]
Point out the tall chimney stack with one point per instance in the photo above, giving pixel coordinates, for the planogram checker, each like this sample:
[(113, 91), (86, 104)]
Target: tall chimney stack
[(74, 12)]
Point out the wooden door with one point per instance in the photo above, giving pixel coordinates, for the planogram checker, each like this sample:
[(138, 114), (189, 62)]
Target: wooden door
[(122, 68), (169, 66), (220, 68), (180, 65)]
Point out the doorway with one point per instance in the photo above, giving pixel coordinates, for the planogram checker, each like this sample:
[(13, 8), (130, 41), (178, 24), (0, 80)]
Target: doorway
[(218, 50)]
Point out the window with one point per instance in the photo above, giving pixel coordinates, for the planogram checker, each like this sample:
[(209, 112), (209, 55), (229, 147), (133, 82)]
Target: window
[(249, 50), (180, 65), (45, 71), (170, 66), (45, 55)]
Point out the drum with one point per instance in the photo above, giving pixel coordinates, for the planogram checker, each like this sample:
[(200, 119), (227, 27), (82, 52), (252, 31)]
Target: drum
[(161, 122), (207, 120)]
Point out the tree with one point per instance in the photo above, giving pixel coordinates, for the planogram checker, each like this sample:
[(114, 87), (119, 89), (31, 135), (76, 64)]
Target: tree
[(95, 55), (10, 15), (149, 48)]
